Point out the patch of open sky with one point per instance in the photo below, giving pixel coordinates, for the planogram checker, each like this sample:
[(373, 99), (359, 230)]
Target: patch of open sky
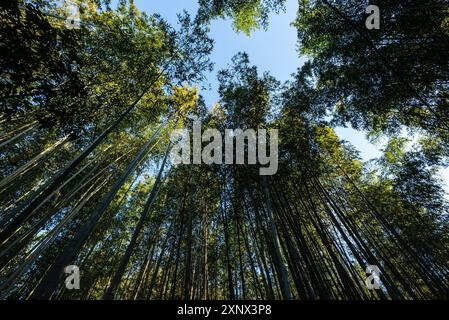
[(274, 50)]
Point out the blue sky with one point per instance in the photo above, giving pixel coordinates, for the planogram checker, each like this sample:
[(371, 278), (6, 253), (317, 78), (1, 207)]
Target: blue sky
[(274, 50)]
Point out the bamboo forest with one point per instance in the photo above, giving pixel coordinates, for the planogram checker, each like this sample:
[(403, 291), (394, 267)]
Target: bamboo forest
[(95, 207)]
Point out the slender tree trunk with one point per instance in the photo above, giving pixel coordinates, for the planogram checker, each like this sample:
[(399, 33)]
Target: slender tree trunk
[(46, 288), (279, 264), (110, 292), (29, 128)]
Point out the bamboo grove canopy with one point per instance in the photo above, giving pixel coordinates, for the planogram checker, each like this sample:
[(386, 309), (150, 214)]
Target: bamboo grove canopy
[(85, 177)]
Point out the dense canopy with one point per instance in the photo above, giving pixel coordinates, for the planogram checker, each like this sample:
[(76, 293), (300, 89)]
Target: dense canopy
[(86, 179)]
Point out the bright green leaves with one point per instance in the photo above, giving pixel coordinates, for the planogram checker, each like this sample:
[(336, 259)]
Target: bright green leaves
[(247, 19), (247, 15)]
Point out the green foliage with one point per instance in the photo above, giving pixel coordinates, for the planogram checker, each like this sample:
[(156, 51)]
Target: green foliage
[(86, 117), (380, 80), (247, 15)]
